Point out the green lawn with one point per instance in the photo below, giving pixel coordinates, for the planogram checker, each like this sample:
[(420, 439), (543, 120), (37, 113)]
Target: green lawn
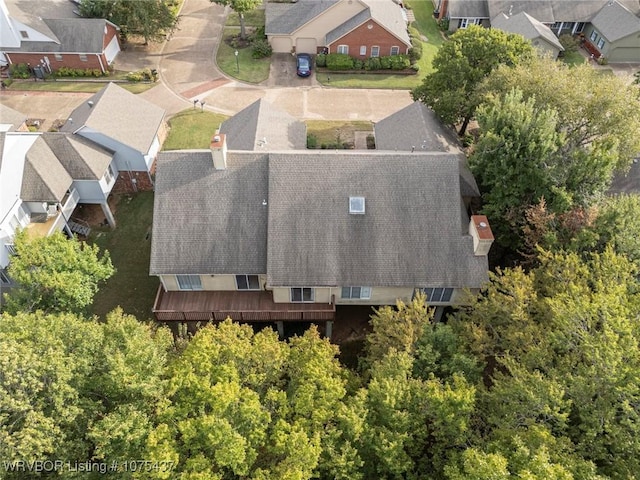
[(247, 69), (327, 131), (79, 86), (427, 26), (573, 58), (254, 18), (192, 128), (130, 247)]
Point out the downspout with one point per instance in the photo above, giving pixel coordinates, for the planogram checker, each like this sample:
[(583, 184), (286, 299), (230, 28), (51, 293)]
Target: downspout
[(99, 55)]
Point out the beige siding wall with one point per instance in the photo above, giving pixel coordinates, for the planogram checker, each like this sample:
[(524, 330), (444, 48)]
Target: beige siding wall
[(209, 282), (328, 20), (625, 50), (321, 294), (280, 44), (379, 296)]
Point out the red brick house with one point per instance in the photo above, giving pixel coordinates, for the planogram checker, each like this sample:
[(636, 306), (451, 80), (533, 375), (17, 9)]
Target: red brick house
[(35, 34), (360, 28)]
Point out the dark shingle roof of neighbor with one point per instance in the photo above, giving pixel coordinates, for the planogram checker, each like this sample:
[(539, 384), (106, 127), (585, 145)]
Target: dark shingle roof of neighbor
[(81, 158), (614, 21), (417, 126), (9, 116), (208, 221), (286, 18), (527, 26), (468, 8), (409, 234), (118, 114), (550, 11), (34, 13), (44, 178), (261, 120)]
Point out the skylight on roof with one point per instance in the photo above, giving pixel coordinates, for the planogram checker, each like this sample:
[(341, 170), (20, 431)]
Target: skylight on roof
[(356, 205)]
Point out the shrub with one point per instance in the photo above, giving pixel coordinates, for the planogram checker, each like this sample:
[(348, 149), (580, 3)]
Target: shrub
[(569, 42), (385, 63), (260, 48), (134, 76), (443, 23), (321, 60), (358, 64), (19, 70), (413, 32), (399, 62), (339, 61), (415, 52), (415, 67), (312, 141), (602, 60), (371, 142), (372, 63)]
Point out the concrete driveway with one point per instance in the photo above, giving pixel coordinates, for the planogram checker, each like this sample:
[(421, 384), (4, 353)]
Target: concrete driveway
[(283, 73)]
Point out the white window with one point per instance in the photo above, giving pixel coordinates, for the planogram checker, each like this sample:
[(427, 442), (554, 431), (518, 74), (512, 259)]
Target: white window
[(600, 43), (58, 56), (343, 49), (24, 34), (395, 50), (83, 57), (465, 22), (356, 292), (375, 51), (363, 50), (4, 278), (189, 282), (593, 36), (11, 248), (356, 205), (438, 294), (302, 294), (247, 282), (108, 175)]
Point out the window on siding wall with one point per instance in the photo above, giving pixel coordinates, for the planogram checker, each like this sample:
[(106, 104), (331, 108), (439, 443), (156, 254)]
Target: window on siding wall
[(363, 50), (248, 282), (356, 292), (343, 49), (189, 282), (601, 43), (24, 34), (438, 294), (58, 56), (302, 294), (83, 58), (108, 175), (375, 51), (11, 248), (395, 50), (4, 278), (593, 36), (465, 22)]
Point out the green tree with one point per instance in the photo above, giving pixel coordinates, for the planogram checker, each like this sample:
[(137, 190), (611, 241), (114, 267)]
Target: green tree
[(55, 274), (460, 66), (151, 19), (240, 7), (516, 163)]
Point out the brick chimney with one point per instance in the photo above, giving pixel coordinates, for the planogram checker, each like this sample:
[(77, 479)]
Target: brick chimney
[(480, 231), (219, 151)]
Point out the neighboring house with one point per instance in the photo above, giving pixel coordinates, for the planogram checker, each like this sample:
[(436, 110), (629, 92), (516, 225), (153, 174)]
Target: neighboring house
[(126, 124), (12, 120), (261, 126), (43, 177), (360, 28), (612, 24), (540, 35), (289, 235), (51, 35)]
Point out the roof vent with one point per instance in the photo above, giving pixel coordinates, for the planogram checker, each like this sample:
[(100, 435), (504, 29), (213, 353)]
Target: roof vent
[(216, 139), (356, 205)]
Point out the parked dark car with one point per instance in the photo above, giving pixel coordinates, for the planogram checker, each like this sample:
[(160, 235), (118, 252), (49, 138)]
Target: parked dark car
[(303, 65)]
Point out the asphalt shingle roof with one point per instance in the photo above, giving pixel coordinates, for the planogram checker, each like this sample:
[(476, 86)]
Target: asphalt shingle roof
[(120, 115), (614, 21), (550, 11), (11, 117), (44, 178), (208, 221), (247, 129), (286, 18), (468, 9), (81, 158), (527, 26)]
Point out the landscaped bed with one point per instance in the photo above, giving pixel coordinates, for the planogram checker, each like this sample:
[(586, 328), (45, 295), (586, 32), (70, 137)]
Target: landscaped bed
[(335, 134)]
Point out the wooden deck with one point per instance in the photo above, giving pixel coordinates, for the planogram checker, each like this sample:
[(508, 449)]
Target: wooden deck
[(239, 306)]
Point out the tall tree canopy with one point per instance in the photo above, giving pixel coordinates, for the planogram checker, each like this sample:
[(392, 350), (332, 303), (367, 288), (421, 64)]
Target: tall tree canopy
[(151, 19), (55, 274), (461, 64), (240, 7)]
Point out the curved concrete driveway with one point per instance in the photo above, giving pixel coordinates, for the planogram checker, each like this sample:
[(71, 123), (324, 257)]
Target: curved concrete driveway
[(188, 71)]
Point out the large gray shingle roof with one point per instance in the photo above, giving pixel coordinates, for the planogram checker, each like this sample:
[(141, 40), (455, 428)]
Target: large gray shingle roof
[(527, 26), (615, 21), (11, 117), (409, 235), (468, 8), (81, 158), (286, 18), (120, 115), (44, 178), (208, 221), (261, 120), (550, 11)]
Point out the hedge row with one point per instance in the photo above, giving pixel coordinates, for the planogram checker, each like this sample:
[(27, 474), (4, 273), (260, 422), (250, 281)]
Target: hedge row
[(342, 61)]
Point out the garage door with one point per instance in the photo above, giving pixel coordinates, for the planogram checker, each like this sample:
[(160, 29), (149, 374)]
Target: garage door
[(280, 44), (625, 54), (112, 49), (306, 45)]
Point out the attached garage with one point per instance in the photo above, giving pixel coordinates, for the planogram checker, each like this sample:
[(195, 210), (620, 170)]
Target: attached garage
[(306, 45), (112, 50), (624, 54), (280, 44)]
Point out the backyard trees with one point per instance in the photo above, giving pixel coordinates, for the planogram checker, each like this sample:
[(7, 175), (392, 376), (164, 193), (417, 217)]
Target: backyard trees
[(55, 274), (240, 7), (151, 19), (461, 64)]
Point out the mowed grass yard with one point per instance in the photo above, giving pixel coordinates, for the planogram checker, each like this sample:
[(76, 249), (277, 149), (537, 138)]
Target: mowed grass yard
[(192, 128), (328, 131), (130, 248)]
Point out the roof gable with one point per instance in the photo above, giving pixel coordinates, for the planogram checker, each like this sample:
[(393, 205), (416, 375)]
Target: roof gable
[(614, 21), (81, 158), (286, 18), (44, 178), (527, 26)]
